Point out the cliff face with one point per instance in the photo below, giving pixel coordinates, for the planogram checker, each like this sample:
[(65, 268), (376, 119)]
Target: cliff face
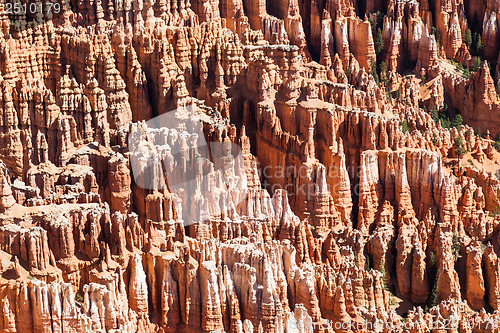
[(290, 188)]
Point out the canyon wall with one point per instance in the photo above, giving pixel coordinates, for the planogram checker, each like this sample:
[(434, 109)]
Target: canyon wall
[(241, 166)]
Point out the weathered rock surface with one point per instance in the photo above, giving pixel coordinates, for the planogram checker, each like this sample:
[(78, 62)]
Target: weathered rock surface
[(303, 181)]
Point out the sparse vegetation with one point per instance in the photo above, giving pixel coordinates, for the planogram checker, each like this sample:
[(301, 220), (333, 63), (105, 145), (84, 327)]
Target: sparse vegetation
[(437, 35), (444, 117), (380, 19), (435, 115), (496, 144), (79, 298), (389, 95), (468, 38), (434, 139), (456, 247), (457, 121), (461, 68), (383, 73), (432, 260), (477, 64), (379, 42), (404, 127), (398, 94), (497, 86), (433, 298), (373, 70), (458, 144), (348, 73), (477, 44), (495, 212), (384, 278), (445, 121)]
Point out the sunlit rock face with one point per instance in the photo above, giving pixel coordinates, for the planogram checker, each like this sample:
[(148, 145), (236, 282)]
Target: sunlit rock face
[(249, 166)]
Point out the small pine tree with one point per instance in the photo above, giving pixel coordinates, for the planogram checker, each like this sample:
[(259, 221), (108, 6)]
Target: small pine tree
[(348, 73), (398, 94), (383, 73), (434, 139), (373, 70), (468, 38), (479, 49), (477, 64), (437, 35), (404, 127), (380, 19), (457, 121), (389, 95), (435, 115), (459, 147), (445, 123), (433, 298), (379, 42), (432, 259), (456, 247), (383, 67), (79, 298), (478, 44), (496, 145)]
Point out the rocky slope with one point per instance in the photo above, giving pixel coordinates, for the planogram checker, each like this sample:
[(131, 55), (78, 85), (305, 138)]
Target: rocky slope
[(304, 182)]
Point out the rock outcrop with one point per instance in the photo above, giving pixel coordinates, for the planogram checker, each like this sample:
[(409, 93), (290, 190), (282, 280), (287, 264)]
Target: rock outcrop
[(248, 166)]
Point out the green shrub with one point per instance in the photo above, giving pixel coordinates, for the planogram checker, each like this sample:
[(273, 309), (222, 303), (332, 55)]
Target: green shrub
[(459, 146), (434, 139), (477, 64), (373, 70), (379, 42), (348, 74), (79, 298), (433, 298), (477, 44), (398, 94), (456, 247), (404, 127), (495, 212), (468, 38), (435, 115), (445, 122), (437, 35), (457, 121), (496, 144)]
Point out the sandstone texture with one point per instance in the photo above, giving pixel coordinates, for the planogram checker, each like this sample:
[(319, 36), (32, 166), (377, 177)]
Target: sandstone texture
[(250, 166)]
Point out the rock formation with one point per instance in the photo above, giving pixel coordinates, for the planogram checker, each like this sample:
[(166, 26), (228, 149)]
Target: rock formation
[(249, 166)]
